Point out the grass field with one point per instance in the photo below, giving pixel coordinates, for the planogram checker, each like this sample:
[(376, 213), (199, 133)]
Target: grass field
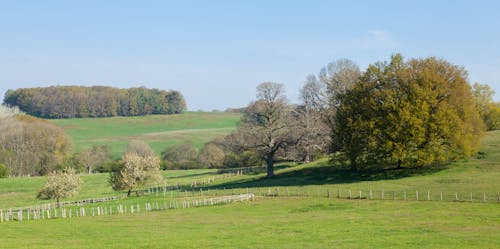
[(274, 223), (160, 131), (286, 221)]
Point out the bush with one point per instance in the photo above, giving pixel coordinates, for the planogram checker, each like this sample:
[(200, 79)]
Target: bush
[(245, 159), (4, 172)]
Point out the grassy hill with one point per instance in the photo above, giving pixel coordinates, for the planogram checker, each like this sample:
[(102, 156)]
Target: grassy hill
[(160, 131), (310, 220)]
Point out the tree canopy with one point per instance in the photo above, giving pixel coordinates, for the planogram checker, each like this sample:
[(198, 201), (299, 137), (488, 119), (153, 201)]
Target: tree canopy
[(95, 101), (60, 184), (409, 113), (32, 146)]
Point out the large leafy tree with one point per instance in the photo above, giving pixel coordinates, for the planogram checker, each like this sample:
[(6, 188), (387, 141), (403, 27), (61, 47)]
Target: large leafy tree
[(415, 112)]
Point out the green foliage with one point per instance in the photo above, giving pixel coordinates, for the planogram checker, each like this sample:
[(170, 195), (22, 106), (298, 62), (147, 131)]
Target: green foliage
[(240, 160), (4, 172), (96, 101), (408, 113), (492, 117)]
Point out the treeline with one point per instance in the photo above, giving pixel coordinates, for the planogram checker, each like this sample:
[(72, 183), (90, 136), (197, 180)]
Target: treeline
[(396, 114), (95, 101)]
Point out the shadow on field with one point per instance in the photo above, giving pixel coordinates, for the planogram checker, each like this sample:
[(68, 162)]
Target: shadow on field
[(327, 174), (192, 175)]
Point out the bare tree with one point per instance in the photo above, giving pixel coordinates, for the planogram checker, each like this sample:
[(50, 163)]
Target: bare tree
[(60, 184), (338, 76), (94, 156), (267, 124), (31, 146), (140, 148), (212, 155)]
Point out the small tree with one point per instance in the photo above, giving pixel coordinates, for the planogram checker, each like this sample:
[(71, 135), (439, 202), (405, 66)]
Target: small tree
[(60, 184), (211, 155), (181, 156), (136, 172), (93, 157), (4, 172)]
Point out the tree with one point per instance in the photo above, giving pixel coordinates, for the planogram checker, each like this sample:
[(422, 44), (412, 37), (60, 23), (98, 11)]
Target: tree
[(416, 112), (211, 155), (488, 109), (140, 148), (312, 121), (136, 171), (96, 101), (267, 124), (492, 118), (180, 156), (4, 172), (32, 146), (94, 156), (60, 184)]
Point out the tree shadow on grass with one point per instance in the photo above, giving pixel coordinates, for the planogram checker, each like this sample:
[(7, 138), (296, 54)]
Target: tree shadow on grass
[(192, 175), (328, 174)]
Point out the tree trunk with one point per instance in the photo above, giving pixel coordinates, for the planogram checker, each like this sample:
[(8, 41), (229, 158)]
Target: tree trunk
[(399, 164), (270, 167), (354, 164), (58, 203), (89, 169), (129, 192)]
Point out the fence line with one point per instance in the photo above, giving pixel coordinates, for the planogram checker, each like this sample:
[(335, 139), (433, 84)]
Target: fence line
[(42, 213), (417, 195)]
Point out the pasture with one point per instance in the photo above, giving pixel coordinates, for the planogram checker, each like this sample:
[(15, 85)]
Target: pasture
[(298, 208), (159, 131)]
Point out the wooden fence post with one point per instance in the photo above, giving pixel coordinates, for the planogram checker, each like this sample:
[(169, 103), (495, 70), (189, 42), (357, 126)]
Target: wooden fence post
[(470, 196), (441, 196), (371, 195), (404, 195), (382, 195), (416, 194), (428, 195), (484, 197)]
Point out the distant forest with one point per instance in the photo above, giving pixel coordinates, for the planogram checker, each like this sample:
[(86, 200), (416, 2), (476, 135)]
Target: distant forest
[(95, 101)]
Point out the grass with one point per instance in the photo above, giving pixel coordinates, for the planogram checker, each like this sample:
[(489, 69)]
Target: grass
[(274, 223), (285, 222), (475, 175), (21, 192), (160, 131)]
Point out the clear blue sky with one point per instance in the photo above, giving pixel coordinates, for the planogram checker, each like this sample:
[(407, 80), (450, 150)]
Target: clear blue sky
[(216, 52)]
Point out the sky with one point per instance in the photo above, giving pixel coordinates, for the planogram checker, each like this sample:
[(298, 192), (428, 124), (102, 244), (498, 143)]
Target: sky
[(216, 52)]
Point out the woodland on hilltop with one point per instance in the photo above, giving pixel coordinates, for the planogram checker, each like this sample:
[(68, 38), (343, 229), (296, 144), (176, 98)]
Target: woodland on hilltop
[(95, 101)]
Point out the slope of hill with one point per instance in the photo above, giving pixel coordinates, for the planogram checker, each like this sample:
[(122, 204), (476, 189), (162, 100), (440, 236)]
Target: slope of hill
[(160, 131)]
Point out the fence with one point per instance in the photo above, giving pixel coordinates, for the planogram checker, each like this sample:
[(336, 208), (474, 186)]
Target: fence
[(417, 195), (44, 212)]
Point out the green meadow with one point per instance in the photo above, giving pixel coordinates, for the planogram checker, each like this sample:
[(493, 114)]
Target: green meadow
[(159, 131), (302, 215)]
